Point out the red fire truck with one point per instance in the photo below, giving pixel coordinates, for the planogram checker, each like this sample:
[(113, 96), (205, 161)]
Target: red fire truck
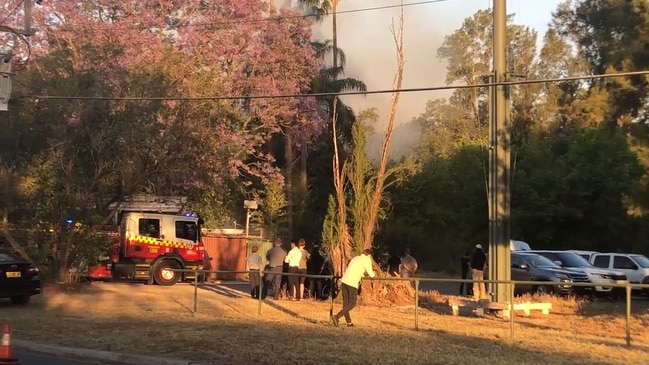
[(153, 239)]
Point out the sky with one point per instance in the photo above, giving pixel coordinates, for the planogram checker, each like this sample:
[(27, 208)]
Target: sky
[(367, 42)]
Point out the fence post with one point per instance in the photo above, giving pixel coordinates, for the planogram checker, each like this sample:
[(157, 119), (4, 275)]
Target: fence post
[(628, 314), (331, 296), (511, 310), (261, 289), (416, 304), (195, 291)]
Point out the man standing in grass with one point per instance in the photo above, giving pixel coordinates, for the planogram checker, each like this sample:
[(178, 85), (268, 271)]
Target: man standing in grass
[(275, 257), (478, 262), (254, 266), (357, 268)]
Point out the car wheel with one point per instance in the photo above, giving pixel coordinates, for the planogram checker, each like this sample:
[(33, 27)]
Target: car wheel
[(163, 274), (542, 290), (20, 300)]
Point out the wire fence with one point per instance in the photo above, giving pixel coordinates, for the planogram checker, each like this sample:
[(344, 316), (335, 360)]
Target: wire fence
[(508, 308)]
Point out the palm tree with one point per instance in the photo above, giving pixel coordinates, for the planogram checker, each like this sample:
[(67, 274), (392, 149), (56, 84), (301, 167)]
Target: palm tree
[(320, 8), (328, 80)]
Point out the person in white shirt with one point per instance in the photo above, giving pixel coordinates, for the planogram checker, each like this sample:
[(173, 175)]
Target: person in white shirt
[(293, 259), (357, 268), (304, 258)]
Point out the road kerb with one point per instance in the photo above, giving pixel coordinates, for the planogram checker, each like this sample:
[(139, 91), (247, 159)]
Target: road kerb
[(110, 356)]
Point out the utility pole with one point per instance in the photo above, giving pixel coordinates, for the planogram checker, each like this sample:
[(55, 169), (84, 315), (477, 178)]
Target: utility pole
[(499, 161), (6, 70)]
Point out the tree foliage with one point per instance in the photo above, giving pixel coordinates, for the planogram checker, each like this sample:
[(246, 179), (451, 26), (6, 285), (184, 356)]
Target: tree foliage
[(68, 159), (580, 147), (360, 187)]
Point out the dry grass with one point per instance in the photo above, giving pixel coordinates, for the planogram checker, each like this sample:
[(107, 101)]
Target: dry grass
[(153, 320)]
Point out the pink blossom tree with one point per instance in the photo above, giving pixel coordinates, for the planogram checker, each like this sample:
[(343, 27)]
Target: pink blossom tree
[(106, 149)]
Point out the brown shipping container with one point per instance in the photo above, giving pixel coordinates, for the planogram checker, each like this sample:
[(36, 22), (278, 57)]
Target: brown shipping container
[(228, 253)]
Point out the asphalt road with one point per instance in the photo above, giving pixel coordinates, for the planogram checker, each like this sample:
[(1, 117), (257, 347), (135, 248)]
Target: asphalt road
[(442, 288), (27, 358)]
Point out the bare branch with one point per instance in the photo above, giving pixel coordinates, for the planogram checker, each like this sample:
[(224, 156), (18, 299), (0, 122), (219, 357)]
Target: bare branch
[(374, 204)]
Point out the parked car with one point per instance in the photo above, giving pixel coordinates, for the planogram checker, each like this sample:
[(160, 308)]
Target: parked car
[(534, 267), (585, 254), (515, 245), (598, 276), (635, 267), (19, 280)]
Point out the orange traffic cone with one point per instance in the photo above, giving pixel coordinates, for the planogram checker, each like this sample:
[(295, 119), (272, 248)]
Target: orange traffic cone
[(6, 356)]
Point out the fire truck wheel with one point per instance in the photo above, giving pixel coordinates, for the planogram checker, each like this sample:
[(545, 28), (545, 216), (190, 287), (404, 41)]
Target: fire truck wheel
[(163, 275)]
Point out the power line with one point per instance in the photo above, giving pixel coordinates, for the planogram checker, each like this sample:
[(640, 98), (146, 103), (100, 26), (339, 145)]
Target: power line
[(288, 17), (350, 93)]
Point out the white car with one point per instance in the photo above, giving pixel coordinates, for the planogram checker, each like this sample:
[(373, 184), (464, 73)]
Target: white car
[(602, 278), (585, 254), (635, 267), (515, 245)]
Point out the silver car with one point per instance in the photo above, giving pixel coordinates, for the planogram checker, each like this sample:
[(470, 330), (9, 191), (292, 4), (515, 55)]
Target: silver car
[(602, 278)]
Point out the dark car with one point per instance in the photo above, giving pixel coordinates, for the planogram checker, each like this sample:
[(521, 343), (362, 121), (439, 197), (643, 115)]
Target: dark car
[(19, 280), (534, 267)]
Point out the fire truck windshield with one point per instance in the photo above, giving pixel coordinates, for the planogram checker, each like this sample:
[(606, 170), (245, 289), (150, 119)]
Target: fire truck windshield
[(187, 230)]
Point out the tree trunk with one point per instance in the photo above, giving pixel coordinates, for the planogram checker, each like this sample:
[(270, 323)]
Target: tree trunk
[(341, 251), (303, 178), (397, 292), (335, 32), (289, 156)]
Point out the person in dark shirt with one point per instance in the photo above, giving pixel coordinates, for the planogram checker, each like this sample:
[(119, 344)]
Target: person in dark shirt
[(465, 267), (315, 266), (478, 262), (275, 257), (394, 262)]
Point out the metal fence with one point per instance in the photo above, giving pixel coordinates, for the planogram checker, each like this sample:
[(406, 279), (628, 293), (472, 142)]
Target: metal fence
[(511, 284)]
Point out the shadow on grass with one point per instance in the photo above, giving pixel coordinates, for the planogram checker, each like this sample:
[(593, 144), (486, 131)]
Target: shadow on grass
[(619, 344), (295, 315), (216, 337), (222, 341), (617, 308), (223, 290), (237, 291)]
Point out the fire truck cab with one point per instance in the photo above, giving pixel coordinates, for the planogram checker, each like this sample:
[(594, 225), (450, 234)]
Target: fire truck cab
[(154, 239)]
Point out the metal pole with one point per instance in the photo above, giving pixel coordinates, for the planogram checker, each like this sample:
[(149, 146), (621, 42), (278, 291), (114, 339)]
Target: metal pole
[(499, 161), (28, 17), (247, 223), (195, 291), (331, 297), (416, 304), (511, 311), (261, 289), (628, 315), (491, 197)]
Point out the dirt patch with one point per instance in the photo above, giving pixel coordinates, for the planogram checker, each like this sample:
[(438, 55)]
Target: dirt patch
[(393, 292), (152, 320)]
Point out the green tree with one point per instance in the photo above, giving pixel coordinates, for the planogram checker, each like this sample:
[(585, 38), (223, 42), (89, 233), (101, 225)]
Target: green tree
[(360, 193), (273, 208), (612, 35), (570, 191)]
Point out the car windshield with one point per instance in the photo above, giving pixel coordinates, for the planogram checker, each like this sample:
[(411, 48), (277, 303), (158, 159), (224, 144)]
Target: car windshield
[(569, 259), (7, 257), (641, 260), (540, 261)]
